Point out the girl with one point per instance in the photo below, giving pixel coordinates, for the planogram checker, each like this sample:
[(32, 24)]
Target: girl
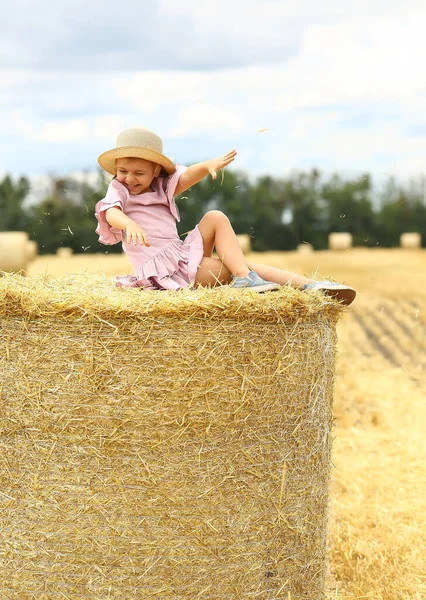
[(139, 210)]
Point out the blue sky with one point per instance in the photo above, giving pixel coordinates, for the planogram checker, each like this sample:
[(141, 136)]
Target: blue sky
[(290, 84)]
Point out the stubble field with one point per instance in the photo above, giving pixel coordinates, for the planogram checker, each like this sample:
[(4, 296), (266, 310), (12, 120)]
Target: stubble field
[(378, 522)]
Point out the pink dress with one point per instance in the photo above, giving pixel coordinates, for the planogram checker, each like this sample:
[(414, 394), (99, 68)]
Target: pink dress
[(169, 263)]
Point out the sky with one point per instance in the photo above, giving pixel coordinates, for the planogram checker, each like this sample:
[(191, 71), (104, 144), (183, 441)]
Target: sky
[(291, 84)]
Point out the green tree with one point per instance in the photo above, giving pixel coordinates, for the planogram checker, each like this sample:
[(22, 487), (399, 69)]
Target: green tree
[(279, 214), (229, 193), (66, 218), (303, 196), (12, 212), (348, 207), (402, 210), (267, 203)]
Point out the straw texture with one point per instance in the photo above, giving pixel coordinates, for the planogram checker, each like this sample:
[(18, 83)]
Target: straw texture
[(163, 445)]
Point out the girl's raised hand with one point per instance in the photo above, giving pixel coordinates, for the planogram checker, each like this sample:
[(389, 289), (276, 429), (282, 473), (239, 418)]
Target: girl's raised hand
[(136, 235), (215, 164)]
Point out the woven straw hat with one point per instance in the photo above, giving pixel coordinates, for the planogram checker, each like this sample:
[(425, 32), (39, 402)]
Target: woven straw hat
[(136, 142)]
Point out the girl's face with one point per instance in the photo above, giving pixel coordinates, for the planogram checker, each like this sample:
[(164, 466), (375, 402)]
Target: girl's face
[(136, 174)]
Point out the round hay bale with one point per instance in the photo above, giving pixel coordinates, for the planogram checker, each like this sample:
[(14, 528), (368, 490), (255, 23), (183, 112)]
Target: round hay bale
[(305, 248), (32, 250), (13, 251), (411, 240), (245, 243), (164, 445), (340, 241), (64, 252)]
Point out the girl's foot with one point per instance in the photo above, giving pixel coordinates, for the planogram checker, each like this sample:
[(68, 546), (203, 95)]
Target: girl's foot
[(254, 282), (338, 291)]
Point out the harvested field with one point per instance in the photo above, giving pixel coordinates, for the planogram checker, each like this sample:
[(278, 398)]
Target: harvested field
[(378, 531)]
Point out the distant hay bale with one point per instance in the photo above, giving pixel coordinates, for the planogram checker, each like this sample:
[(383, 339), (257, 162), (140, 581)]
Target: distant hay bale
[(13, 251), (340, 241), (64, 252), (245, 243), (164, 444), (411, 241), (305, 248), (32, 250)]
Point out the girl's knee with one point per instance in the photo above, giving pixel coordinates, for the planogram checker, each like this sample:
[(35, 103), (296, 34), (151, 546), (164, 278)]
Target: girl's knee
[(216, 215)]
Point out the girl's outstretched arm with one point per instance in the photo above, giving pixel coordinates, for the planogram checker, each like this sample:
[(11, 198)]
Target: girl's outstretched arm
[(134, 233), (197, 172)]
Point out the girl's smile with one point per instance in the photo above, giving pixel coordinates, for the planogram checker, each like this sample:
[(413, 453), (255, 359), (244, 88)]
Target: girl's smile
[(133, 189), (136, 174)]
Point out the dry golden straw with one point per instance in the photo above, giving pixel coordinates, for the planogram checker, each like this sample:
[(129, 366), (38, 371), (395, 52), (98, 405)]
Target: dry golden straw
[(163, 445)]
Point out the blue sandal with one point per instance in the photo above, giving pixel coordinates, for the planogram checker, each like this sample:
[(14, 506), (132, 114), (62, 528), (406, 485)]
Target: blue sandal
[(254, 282)]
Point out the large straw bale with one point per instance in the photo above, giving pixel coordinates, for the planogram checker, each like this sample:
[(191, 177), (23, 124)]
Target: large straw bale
[(411, 240), (340, 241), (64, 252), (305, 248), (13, 251), (245, 243), (163, 445), (32, 250)]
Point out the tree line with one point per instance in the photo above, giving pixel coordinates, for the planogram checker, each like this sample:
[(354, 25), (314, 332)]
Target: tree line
[(278, 213)]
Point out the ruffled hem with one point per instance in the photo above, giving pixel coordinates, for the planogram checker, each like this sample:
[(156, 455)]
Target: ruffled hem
[(173, 268)]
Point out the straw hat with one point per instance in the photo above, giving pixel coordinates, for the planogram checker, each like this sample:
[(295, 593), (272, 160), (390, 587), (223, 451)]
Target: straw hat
[(136, 142)]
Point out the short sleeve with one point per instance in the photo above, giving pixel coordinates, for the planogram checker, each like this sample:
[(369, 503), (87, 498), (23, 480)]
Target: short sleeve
[(115, 196), (169, 186)]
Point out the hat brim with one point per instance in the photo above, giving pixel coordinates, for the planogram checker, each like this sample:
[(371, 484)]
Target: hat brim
[(108, 158)]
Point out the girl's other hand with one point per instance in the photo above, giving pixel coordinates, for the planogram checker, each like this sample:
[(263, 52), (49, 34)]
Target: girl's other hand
[(215, 164), (136, 235)]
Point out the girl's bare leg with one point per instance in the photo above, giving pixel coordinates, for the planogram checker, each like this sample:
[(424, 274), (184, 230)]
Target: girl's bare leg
[(212, 272), (280, 276), (216, 231)]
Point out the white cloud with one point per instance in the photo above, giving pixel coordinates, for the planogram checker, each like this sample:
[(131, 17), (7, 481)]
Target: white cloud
[(149, 91), (107, 128), (349, 93), (63, 131), (202, 119), (335, 65), (57, 131)]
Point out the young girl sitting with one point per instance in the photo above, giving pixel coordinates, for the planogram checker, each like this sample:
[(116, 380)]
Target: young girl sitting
[(139, 210)]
